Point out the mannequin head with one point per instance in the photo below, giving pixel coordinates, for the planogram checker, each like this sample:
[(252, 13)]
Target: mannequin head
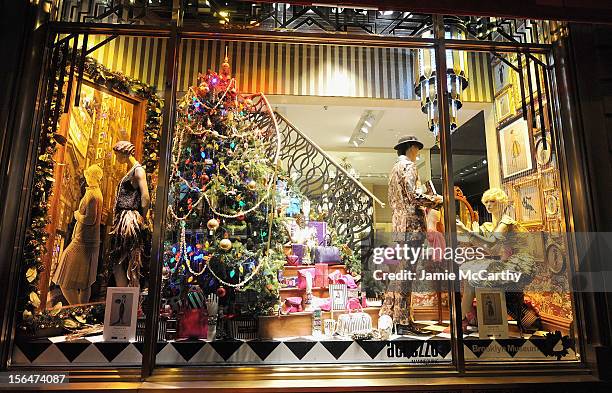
[(124, 150), (409, 149), (495, 201), (93, 175)]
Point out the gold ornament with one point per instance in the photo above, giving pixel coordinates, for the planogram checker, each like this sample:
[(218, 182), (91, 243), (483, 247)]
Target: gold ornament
[(225, 244), (213, 224), (252, 186)]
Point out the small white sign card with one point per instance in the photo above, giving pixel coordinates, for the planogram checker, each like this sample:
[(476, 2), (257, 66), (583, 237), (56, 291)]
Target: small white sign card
[(338, 294), (492, 315), (120, 313)]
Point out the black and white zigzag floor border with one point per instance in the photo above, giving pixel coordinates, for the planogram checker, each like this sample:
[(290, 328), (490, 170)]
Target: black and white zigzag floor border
[(87, 352)]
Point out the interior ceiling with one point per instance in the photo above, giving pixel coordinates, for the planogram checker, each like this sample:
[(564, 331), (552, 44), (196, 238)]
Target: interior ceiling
[(331, 121)]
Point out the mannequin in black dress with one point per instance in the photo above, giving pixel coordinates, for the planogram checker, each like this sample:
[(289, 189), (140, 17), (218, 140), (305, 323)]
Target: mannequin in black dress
[(129, 220)]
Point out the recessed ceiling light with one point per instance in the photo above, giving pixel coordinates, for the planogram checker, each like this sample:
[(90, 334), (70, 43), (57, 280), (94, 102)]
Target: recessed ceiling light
[(367, 123), (364, 129)]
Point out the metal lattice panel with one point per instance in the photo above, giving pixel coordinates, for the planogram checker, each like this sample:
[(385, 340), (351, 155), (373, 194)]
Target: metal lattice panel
[(349, 207)]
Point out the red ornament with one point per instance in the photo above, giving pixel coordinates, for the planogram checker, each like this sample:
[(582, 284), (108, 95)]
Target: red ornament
[(221, 292), (241, 217)]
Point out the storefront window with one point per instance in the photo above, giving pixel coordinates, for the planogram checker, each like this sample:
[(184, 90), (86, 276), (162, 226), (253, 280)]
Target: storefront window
[(89, 241), (303, 197), (507, 183)]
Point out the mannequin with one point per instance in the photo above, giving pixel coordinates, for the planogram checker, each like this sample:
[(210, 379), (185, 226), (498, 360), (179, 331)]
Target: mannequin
[(129, 226), (408, 221), (78, 263), (508, 250)]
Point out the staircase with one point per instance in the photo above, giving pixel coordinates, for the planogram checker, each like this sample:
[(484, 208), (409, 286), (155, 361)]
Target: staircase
[(348, 204)]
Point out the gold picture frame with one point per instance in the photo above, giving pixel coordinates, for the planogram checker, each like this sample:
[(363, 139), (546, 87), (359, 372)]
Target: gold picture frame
[(528, 203), (502, 76), (505, 107), (515, 146)]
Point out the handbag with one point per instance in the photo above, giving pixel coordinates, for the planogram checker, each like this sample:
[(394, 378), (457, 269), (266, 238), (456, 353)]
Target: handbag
[(193, 323), (327, 254), (353, 322)]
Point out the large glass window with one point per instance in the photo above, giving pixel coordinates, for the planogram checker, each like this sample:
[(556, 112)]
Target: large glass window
[(86, 261), (304, 215), (516, 299)]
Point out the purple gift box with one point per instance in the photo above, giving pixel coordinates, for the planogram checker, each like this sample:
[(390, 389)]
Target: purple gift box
[(320, 228), (299, 250)]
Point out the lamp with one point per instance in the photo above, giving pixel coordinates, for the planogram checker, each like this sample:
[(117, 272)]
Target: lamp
[(456, 75)]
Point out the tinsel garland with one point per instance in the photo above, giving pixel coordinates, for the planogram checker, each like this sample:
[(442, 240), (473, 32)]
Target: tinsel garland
[(36, 236)]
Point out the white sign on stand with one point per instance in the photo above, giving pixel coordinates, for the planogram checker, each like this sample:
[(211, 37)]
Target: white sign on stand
[(120, 314), (491, 310)]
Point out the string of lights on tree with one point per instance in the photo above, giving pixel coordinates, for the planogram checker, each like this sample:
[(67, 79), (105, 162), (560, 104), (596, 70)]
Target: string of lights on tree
[(224, 164)]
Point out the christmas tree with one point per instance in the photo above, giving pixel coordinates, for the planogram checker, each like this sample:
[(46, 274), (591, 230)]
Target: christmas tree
[(224, 237)]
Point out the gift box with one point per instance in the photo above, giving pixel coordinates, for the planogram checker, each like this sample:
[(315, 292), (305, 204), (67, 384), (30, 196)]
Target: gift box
[(193, 323), (299, 250), (321, 273), (320, 229)]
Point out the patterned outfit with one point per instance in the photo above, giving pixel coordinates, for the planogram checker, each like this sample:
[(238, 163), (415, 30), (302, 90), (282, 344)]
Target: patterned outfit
[(78, 264), (510, 250), (129, 230), (408, 223)]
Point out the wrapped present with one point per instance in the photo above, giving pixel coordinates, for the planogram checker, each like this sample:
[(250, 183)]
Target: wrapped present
[(320, 229), (299, 250), (321, 275), (193, 323), (195, 297)]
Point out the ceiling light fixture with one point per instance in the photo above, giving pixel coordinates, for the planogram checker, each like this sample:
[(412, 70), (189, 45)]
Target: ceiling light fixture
[(362, 130), (456, 77)]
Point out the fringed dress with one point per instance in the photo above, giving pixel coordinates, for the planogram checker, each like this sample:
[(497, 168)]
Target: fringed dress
[(78, 264), (129, 230)]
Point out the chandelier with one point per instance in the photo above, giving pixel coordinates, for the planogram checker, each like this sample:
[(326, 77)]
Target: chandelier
[(456, 76)]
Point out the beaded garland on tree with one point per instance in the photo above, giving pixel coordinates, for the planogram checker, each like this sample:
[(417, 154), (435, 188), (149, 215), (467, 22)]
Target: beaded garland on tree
[(224, 165)]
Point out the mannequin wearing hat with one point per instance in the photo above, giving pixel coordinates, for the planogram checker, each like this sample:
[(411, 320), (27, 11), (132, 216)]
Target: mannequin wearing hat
[(409, 226), (129, 226), (78, 263)]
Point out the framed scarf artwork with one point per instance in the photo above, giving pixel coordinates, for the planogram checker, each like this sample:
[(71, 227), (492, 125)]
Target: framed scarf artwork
[(528, 203), (504, 105), (515, 149), (501, 76)]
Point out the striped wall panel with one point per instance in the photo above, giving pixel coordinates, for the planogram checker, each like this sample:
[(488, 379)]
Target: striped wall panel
[(138, 57), (300, 69), (285, 68)]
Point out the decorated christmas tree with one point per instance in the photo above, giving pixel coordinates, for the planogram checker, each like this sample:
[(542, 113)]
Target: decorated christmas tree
[(223, 234)]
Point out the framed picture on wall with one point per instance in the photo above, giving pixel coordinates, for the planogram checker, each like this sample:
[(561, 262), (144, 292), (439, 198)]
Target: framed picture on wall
[(504, 105), (515, 149), (543, 156), (501, 76), (555, 258), (528, 203), (551, 203)]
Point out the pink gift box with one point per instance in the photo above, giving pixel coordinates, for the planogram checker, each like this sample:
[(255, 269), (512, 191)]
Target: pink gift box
[(321, 273)]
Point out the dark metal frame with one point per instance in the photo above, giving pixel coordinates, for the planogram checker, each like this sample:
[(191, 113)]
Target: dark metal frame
[(175, 35)]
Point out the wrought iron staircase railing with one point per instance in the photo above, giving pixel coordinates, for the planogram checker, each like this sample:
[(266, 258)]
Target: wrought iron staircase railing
[(348, 204)]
